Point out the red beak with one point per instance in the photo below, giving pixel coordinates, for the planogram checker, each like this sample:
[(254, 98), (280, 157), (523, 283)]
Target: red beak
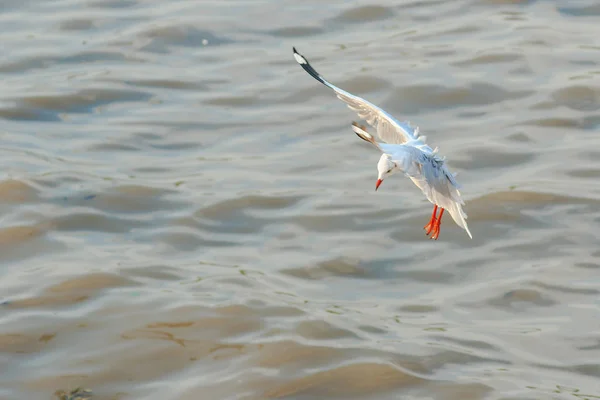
[(378, 183)]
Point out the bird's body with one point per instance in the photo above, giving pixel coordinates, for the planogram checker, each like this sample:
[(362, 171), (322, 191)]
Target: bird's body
[(404, 150)]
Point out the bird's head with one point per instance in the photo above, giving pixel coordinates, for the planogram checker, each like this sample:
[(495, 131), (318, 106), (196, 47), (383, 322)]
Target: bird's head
[(385, 168)]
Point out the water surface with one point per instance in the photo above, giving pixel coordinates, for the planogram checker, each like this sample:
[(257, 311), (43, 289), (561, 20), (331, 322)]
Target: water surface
[(187, 214)]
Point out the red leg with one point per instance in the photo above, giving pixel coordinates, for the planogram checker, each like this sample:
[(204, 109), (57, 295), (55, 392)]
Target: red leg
[(432, 221), (436, 229)]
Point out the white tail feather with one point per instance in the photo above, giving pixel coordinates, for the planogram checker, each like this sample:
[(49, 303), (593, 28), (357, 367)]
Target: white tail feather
[(459, 216)]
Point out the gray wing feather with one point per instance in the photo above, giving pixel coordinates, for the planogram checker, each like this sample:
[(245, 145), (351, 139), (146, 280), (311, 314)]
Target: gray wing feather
[(389, 129)]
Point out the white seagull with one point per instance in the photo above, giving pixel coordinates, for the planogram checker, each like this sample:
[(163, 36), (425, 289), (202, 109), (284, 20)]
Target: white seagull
[(406, 151)]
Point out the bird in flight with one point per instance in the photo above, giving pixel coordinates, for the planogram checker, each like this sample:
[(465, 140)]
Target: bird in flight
[(403, 150)]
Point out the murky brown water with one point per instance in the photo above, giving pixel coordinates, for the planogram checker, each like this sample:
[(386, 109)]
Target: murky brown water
[(186, 214)]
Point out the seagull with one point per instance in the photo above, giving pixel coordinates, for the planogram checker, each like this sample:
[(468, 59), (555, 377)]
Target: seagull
[(403, 150)]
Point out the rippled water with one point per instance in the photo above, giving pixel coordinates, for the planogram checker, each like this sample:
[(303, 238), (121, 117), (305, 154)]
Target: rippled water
[(187, 214)]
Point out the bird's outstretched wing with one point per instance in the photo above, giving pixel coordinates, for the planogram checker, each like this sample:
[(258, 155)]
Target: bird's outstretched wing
[(389, 129)]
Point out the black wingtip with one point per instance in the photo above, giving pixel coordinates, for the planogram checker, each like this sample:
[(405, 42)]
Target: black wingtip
[(300, 59), (366, 136), (355, 124)]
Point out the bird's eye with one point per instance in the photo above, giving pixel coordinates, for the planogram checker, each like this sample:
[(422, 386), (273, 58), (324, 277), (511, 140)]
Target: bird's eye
[(389, 170)]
